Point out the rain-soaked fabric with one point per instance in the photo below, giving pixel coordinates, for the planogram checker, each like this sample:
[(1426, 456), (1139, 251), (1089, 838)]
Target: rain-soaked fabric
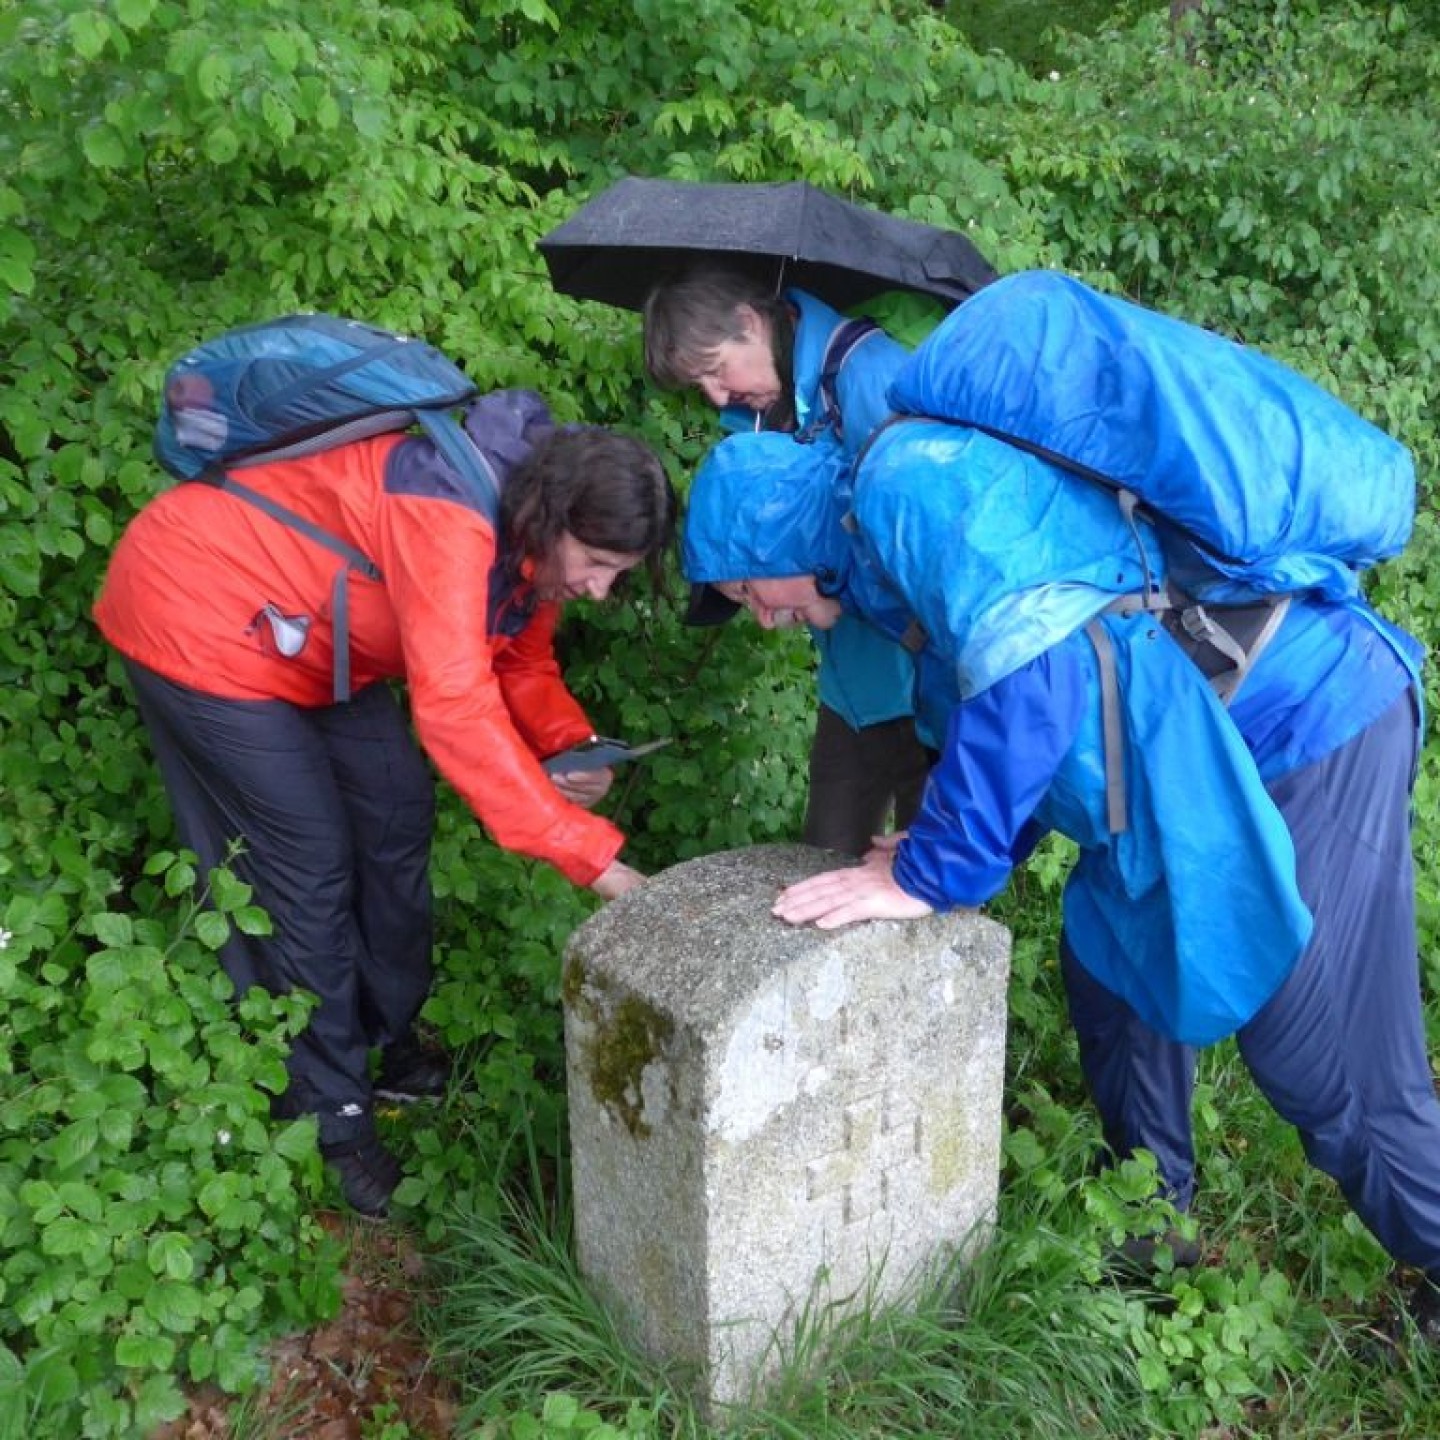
[(1247, 454), (1140, 1081), (997, 554), (862, 675), (1141, 906), (762, 507), (1332, 1028), (487, 697), (1012, 569), (862, 383), (1340, 1049)]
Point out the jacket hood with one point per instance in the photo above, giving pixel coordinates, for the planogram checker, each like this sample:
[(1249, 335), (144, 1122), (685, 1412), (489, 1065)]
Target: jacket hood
[(763, 507), (507, 425)]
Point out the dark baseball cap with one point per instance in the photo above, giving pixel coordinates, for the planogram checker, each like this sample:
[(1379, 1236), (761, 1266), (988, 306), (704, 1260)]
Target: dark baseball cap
[(708, 606)]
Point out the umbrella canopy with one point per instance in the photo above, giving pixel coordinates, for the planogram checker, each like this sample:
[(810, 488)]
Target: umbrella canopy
[(618, 245)]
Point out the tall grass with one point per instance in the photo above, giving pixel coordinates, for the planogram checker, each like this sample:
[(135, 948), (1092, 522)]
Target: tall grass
[(1293, 1328)]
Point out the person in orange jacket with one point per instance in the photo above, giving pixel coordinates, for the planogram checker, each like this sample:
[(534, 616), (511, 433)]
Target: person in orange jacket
[(223, 616)]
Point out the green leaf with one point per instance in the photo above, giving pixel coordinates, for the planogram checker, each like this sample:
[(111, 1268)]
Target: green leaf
[(170, 1255), (117, 1129), (123, 1092), (17, 261), (43, 1199), (560, 1409), (145, 1352), (295, 1142), (371, 117), (158, 1400), (252, 920), (539, 13), (134, 14), (83, 1201), (12, 1393), (179, 878), (227, 890), (104, 147), (67, 1236), (52, 1381), (282, 50), (213, 75), (278, 116), (161, 860), (89, 31), (212, 929), (175, 1305), (113, 930), (74, 1143), (222, 145), (125, 969), (236, 1364)]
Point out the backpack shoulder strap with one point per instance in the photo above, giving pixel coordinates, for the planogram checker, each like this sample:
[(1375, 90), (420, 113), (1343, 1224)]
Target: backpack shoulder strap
[(339, 586), (466, 459), (843, 342)]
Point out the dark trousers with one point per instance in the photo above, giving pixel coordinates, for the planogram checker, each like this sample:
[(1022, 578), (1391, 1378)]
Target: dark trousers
[(859, 777), (334, 808), (1339, 1050)]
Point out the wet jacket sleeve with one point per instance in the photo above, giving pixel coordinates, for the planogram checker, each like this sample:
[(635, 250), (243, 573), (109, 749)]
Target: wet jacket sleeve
[(1001, 753), (482, 717), (547, 715)]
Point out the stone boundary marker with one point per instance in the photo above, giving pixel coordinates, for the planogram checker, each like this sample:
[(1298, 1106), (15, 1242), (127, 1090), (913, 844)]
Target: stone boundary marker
[(769, 1123)]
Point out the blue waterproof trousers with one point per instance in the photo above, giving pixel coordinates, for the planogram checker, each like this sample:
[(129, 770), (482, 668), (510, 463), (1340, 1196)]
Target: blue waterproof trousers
[(334, 808), (1339, 1050)]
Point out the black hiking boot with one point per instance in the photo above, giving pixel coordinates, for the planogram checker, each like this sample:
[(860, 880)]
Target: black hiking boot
[(368, 1174), (412, 1071), (1139, 1258)]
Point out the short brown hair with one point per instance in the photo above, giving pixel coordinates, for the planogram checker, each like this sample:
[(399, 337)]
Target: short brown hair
[(690, 315)]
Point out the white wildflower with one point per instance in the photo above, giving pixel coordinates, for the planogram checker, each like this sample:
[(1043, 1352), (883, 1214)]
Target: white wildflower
[(6, 936)]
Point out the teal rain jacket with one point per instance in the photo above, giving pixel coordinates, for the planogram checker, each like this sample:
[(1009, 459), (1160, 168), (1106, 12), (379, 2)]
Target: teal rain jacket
[(863, 676), (1190, 912)]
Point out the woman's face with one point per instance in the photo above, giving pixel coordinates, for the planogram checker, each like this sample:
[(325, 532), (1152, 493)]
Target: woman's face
[(576, 571), (742, 372), (778, 604)]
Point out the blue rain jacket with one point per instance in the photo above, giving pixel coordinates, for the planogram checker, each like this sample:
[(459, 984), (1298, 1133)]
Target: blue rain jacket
[(863, 676), (1191, 913)]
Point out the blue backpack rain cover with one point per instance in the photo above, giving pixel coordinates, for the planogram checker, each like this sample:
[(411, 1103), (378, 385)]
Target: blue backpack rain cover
[(301, 384), (1268, 483)]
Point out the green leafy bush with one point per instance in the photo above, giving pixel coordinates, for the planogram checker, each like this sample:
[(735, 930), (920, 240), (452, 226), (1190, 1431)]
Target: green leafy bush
[(153, 1219), (172, 170)]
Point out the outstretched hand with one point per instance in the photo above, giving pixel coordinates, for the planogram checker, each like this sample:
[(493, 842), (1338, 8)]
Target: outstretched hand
[(867, 891), (615, 880)]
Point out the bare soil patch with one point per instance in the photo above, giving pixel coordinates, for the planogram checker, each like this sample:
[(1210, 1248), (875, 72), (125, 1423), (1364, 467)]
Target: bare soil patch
[(367, 1367)]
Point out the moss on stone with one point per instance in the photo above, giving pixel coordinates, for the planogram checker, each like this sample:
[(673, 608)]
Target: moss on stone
[(572, 981), (624, 1042)]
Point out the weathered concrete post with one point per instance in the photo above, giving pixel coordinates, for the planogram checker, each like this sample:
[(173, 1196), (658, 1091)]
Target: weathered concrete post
[(765, 1121)]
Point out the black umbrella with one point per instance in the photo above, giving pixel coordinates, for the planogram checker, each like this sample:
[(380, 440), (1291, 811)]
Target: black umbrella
[(615, 247)]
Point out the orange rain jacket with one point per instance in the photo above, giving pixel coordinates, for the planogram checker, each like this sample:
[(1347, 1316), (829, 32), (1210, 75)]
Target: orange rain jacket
[(195, 569)]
